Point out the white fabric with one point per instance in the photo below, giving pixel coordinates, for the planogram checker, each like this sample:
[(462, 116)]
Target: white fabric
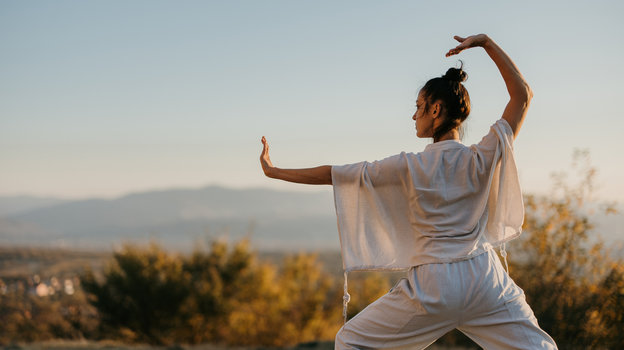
[(476, 296), (447, 203)]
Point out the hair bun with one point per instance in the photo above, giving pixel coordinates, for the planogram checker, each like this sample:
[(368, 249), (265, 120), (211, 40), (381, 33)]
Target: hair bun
[(456, 74)]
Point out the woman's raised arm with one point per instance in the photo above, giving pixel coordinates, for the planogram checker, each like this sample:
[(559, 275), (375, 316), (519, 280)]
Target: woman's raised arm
[(312, 176), (520, 92)]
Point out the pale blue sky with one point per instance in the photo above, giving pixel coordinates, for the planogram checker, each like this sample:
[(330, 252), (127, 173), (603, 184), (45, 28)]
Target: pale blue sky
[(102, 98)]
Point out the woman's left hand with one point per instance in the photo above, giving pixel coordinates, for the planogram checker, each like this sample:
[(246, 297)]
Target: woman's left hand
[(265, 160), (468, 42)]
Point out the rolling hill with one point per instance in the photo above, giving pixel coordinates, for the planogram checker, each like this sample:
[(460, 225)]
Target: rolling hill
[(177, 218)]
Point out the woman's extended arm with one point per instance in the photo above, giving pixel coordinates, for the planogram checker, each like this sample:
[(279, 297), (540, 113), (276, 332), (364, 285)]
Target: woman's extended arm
[(519, 91), (312, 176)]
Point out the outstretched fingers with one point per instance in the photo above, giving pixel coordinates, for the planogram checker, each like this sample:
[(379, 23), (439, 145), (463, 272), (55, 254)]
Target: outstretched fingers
[(454, 51), (459, 48)]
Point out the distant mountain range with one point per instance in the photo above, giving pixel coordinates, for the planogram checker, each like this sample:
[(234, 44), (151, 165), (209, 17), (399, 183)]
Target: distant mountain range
[(177, 218), (181, 219)]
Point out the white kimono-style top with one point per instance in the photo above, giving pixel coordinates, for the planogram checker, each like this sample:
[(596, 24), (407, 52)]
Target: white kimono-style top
[(447, 203)]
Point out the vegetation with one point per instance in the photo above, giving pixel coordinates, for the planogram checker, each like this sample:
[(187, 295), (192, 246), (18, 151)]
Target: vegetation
[(573, 284), (221, 296)]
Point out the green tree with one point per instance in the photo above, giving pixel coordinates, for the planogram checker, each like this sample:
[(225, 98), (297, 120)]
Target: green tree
[(141, 295)]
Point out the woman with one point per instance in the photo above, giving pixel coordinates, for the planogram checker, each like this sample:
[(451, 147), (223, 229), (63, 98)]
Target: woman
[(438, 213)]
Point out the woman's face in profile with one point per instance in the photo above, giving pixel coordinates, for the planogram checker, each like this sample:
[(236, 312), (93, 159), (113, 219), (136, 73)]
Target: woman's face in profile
[(424, 121)]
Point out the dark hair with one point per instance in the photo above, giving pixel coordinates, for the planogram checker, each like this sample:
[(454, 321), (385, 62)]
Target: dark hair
[(454, 96)]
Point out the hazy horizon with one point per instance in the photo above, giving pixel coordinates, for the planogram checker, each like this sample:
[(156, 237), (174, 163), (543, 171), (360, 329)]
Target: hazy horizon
[(184, 217)]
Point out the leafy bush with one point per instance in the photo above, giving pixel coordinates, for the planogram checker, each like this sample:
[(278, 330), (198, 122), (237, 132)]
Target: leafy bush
[(142, 295)]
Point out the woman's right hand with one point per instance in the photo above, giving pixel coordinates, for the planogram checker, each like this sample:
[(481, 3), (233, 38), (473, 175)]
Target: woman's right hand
[(468, 42)]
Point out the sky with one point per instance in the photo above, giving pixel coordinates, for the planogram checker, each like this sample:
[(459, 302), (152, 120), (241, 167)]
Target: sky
[(104, 98)]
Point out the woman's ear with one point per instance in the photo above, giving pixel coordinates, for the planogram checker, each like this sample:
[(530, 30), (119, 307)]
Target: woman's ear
[(436, 110)]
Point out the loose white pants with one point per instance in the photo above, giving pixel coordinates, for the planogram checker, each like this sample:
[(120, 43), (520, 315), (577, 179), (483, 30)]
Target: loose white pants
[(476, 296)]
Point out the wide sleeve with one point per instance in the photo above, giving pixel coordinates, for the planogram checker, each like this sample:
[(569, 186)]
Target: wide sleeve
[(372, 210), (505, 207), (386, 172)]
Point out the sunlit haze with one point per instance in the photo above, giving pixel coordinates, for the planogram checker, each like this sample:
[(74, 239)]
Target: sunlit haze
[(102, 98)]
